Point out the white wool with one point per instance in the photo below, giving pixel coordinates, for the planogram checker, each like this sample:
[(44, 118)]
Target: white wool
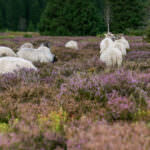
[(110, 35), (121, 47), (111, 57), (6, 51), (105, 44), (42, 54), (11, 64), (26, 45), (72, 44), (124, 42)]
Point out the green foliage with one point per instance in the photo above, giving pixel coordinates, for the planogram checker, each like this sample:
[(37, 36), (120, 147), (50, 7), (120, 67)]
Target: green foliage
[(137, 32), (28, 35), (4, 127), (31, 27), (18, 14), (71, 18), (127, 14), (147, 32), (54, 120)]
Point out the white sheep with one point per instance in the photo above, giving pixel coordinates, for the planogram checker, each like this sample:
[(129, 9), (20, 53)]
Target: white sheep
[(72, 44), (110, 55), (105, 43), (11, 64), (6, 51), (110, 35), (124, 42), (27, 45), (41, 54), (121, 47)]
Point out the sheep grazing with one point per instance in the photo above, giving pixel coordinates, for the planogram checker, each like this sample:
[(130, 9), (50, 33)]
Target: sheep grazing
[(6, 51), (11, 64), (72, 44), (41, 54), (110, 55)]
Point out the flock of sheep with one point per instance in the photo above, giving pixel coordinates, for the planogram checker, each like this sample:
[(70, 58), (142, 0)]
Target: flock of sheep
[(112, 51), (24, 57)]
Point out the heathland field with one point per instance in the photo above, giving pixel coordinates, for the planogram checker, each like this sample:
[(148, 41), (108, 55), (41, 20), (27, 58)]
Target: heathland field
[(75, 103)]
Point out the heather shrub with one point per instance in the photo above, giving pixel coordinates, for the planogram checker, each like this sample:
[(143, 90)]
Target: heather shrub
[(54, 120), (142, 114), (97, 87), (35, 140), (84, 88), (88, 135), (59, 82), (24, 76), (120, 107)]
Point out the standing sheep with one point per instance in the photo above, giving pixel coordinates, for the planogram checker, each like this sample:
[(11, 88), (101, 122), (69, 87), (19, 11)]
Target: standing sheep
[(6, 51), (105, 43), (110, 55), (11, 64), (124, 42), (121, 47), (110, 35), (72, 44)]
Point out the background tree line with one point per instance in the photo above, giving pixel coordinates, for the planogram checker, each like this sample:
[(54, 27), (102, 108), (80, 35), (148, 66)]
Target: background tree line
[(73, 17)]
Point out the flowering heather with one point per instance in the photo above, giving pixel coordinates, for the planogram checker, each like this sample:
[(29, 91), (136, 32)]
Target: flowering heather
[(48, 109), (134, 55), (88, 135), (120, 107), (126, 83)]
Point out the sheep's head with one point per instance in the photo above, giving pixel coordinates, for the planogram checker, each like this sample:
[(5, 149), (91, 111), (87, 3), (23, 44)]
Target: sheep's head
[(46, 44), (27, 45), (54, 59), (106, 44), (110, 35)]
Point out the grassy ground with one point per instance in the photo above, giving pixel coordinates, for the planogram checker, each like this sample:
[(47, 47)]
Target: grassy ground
[(75, 103)]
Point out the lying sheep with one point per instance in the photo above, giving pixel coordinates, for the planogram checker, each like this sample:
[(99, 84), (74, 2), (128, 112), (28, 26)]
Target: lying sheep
[(6, 51), (11, 64), (27, 45), (72, 44), (42, 54)]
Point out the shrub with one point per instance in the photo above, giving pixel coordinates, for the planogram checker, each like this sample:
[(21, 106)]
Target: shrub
[(27, 35), (88, 135), (120, 107)]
